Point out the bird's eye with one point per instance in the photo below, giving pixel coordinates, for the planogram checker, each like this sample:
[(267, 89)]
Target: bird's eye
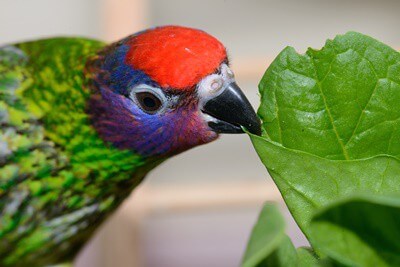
[(149, 102)]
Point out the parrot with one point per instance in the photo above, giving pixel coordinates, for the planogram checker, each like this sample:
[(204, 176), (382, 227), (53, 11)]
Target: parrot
[(83, 122)]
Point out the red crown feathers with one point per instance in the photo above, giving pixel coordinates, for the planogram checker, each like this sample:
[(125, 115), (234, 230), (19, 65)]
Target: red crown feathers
[(175, 57)]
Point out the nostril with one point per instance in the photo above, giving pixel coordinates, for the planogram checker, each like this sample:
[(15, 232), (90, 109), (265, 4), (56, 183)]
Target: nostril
[(216, 85)]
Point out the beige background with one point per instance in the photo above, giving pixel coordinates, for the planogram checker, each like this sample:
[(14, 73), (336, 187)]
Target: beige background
[(198, 208)]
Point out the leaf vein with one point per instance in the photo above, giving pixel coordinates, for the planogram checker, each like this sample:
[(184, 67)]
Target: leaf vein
[(345, 153)]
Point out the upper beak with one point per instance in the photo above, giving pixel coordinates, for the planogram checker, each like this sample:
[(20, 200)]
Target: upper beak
[(231, 111)]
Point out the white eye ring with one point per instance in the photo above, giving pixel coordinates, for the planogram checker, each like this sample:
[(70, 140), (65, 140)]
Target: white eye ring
[(160, 100)]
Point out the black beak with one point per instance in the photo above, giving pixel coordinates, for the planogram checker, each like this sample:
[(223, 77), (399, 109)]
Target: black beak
[(232, 111)]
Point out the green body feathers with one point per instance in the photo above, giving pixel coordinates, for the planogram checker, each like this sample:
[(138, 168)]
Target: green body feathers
[(58, 179)]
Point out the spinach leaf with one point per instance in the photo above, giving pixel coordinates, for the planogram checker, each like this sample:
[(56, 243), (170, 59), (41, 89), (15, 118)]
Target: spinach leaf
[(268, 244), (331, 131), (308, 258), (361, 230), (308, 182), (340, 102)]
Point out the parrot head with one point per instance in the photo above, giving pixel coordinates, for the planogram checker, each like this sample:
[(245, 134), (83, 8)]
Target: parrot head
[(164, 90)]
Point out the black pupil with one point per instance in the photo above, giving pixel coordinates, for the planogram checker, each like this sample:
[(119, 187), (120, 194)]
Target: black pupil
[(148, 101)]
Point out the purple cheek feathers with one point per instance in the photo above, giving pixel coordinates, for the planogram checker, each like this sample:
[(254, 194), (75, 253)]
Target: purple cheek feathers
[(119, 121), (122, 123)]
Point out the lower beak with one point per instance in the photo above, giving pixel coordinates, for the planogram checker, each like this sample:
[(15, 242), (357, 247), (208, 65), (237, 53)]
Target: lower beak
[(231, 111)]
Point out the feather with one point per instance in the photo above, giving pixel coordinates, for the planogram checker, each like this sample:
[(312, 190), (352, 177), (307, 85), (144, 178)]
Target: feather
[(58, 179)]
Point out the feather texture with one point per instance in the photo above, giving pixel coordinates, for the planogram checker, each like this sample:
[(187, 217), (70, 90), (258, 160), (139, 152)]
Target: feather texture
[(58, 179)]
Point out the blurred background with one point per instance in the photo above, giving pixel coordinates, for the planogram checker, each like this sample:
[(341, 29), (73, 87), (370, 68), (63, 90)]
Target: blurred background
[(198, 208)]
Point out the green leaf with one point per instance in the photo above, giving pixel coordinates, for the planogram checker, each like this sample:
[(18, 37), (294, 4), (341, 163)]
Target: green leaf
[(363, 230), (308, 182), (283, 256), (340, 102), (308, 258), (268, 244), (270, 247), (331, 125)]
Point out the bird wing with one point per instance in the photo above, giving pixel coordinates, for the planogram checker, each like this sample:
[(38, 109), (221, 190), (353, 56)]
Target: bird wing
[(58, 179), (26, 155), (48, 152)]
